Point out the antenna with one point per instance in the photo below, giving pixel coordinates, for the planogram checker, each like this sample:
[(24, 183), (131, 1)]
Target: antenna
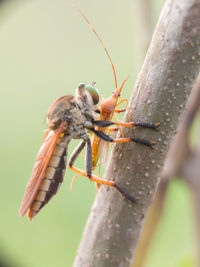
[(101, 42)]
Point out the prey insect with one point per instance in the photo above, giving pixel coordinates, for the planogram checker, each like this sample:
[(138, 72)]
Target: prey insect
[(109, 106)]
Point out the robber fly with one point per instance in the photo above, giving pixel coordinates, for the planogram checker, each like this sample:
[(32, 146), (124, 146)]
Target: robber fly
[(68, 118)]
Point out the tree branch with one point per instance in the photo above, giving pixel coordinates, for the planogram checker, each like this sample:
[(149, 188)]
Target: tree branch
[(162, 88), (180, 161)]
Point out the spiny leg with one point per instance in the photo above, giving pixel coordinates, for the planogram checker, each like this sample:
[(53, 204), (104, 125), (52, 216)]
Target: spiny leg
[(88, 173)]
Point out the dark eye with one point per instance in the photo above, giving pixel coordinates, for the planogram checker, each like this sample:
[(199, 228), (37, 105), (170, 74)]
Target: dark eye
[(119, 95)]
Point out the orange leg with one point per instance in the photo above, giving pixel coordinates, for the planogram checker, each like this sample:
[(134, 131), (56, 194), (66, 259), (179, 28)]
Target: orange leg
[(113, 130), (119, 128), (73, 180), (123, 100), (124, 109), (92, 177), (79, 174), (132, 124), (104, 182), (120, 110), (103, 136), (125, 140), (88, 172), (107, 138)]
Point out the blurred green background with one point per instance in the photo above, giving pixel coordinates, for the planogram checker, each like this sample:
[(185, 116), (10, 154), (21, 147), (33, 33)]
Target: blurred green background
[(46, 49)]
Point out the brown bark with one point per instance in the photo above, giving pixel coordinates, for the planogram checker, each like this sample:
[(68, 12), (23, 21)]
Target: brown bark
[(162, 88), (181, 160)]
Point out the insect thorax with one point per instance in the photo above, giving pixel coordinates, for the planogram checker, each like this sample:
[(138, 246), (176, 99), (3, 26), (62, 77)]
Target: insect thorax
[(85, 102), (77, 113)]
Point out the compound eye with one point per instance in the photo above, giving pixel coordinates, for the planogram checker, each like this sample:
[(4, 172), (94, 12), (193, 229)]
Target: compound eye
[(93, 92)]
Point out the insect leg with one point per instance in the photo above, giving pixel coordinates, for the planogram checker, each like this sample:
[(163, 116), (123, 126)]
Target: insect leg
[(123, 100), (101, 123), (76, 152), (88, 173), (131, 124), (74, 156), (107, 138), (122, 109), (89, 158), (113, 130)]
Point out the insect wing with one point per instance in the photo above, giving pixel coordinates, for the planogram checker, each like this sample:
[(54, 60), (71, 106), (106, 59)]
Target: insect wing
[(43, 157), (103, 151)]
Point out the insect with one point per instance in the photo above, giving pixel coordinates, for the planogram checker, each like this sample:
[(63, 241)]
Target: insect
[(69, 118), (108, 106)]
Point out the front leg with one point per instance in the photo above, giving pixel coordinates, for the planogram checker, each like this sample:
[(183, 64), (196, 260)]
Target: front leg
[(76, 153), (101, 123), (107, 138), (89, 158)]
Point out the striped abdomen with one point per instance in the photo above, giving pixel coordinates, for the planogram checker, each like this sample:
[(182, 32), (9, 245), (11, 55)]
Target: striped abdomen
[(53, 177)]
